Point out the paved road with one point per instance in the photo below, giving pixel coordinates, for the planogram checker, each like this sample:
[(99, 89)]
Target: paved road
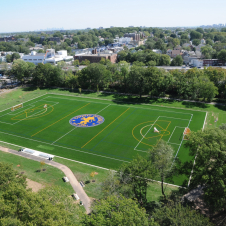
[(68, 173)]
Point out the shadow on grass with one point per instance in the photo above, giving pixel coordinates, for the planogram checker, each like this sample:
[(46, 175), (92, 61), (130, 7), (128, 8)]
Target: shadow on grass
[(188, 104)]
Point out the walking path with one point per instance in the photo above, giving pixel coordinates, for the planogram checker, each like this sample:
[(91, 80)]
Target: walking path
[(68, 173)]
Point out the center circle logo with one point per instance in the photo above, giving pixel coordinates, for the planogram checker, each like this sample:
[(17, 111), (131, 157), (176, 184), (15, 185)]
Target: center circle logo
[(87, 120)]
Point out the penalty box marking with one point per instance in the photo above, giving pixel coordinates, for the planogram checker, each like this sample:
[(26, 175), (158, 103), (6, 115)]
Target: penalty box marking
[(143, 136), (22, 110)]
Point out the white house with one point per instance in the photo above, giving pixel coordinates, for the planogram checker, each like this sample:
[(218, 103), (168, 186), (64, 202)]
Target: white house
[(197, 62), (203, 41), (49, 57)]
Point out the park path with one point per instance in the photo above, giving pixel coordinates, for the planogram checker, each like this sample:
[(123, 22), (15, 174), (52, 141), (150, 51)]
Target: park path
[(68, 173)]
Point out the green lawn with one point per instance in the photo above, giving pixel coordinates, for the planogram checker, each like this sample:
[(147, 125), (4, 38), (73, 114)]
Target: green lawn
[(125, 130), (51, 177)]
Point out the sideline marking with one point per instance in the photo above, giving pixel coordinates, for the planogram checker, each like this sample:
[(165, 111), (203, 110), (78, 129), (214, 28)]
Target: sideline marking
[(127, 102), (192, 170), (59, 120), (24, 102), (61, 146), (88, 165), (105, 128)]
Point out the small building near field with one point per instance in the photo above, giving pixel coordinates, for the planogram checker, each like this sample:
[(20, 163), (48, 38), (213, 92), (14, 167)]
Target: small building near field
[(96, 57)]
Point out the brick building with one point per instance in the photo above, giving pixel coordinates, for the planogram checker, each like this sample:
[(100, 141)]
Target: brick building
[(96, 57), (135, 36), (213, 62), (8, 39)]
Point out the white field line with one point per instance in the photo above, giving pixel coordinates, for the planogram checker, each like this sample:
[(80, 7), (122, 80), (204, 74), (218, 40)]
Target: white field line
[(83, 163), (103, 109), (175, 118), (62, 147), (34, 113), (17, 112), (131, 106), (29, 116), (6, 123), (24, 102), (64, 135), (146, 133), (92, 165), (204, 121), (11, 144), (141, 150), (173, 143), (122, 101), (172, 134), (192, 170), (181, 142), (76, 127)]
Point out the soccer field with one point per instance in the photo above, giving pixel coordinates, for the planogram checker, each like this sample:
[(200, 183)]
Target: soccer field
[(95, 131)]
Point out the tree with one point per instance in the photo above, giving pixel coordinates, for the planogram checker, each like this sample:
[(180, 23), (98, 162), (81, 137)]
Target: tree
[(15, 56), (102, 61), (75, 62), (200, 30), (209, 170), (20, 70), (176, 42), (196, 42), (207, 51), (8, 58), (8, 175), (207, 89), (222, 55), (85, 62), (162, 157), (136, 174), (30, 208), (223, 126), (114, 211), (195, 35), (176, 214), (209, 42), (177, 61), (165, 60), (136, 80)]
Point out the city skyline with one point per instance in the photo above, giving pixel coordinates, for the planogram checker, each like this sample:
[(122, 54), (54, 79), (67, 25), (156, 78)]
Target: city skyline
[(18, 16)]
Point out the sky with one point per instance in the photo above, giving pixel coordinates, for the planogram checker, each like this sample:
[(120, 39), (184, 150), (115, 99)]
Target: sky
[(30, 15)]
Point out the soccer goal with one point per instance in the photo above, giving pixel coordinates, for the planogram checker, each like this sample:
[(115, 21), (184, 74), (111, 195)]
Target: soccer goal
[(16, 107), (187, 131)]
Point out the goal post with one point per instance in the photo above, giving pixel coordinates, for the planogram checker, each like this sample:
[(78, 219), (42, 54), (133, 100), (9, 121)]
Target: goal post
[(186, 133), (16, 107)]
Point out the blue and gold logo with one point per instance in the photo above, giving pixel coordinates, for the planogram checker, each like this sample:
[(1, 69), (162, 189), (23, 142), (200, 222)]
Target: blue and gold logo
[(86, 120)]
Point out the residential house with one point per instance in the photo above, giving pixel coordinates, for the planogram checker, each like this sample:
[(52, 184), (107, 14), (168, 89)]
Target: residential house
[(173, 53)]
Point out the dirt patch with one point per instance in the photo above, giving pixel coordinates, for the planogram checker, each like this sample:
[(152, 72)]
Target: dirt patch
[(35, 186), (4, 149)]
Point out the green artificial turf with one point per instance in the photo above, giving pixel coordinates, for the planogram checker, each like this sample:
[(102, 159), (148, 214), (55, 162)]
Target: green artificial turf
[(127, 129)]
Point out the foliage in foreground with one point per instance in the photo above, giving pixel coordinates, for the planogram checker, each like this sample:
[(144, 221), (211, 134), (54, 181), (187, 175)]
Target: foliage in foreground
[(21, 206), (116, 211), (210, 169)]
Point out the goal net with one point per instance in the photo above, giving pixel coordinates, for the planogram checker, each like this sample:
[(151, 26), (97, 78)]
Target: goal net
[(186, 133), (16, 107)]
